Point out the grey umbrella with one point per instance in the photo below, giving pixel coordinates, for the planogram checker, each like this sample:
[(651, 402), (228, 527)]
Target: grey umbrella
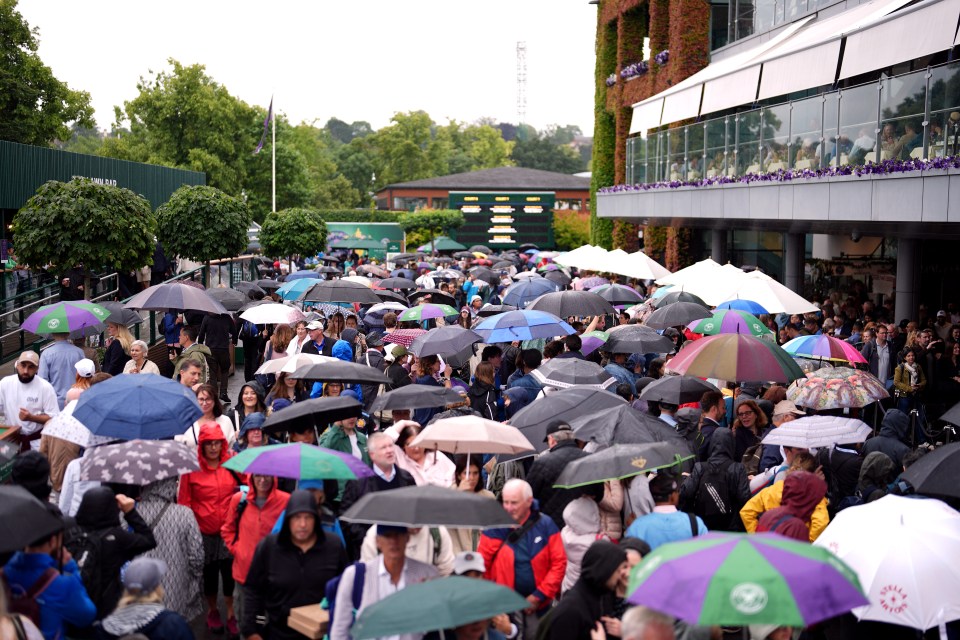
[(564, 405), (120, 315), (678, 314), (621, 461), (24, 519), (340, 291), (444, 341), (428, 506), (415, 396), (174, 295), (676, 389), (231, 299), (483, 273), (569, 372), (564, 304), (625, 425), (559, 277), (398, 283), (635, 338), (138, 462), (315, 413), (251, 290), (678, 296), (436, 297), (340, 371)]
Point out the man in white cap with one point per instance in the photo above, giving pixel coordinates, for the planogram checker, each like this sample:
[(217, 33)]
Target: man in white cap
[(56, 365), (469, 564), (317, 344), (27, 400)]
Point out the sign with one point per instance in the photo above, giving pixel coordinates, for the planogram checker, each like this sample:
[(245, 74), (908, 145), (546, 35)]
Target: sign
[(388, 235), (505, 220)]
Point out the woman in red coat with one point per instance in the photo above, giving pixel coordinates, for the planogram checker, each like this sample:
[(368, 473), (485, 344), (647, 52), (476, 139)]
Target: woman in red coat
[(208, 492)]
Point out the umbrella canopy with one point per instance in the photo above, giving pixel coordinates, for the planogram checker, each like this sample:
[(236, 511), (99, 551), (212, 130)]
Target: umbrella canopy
[(935, 474), (444, 341), (730, 322), (373, 271), (335, 370), (426, 311), (676, 390), (23, 519), (908, 580), (404, 257), (618, 294), (436, 297), (362, 280), (674, 296), (391, 296), (678, 314), (770, 294), (636, 338), (289, 364), (340, 291), (736, 358), (564, 304), (591, 341), (526, 291), (403, 336), (739, 579), (174, 295), (620, 461), (625, 425), (66, 427), (145, 406), (443, 243), (398, 284), (415, 396), (119, 315), (818, 431), (835, 388), (825, 348), (485, 274), (316, 413), (428, 506), (522, 325), (231, 299), (304, 274), (272, 313), (558, 276), (251, 289), (268, 285), (139, 462), (568, 372), (329, 271), (65, 317), (743, 305), (472, 434), (565, 405), (383, 308), (299, 460), (526, 275), (480, 248), (293, 289), (488, 310)]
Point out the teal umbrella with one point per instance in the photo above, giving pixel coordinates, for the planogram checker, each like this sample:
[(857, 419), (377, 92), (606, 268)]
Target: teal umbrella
[(445, 603)]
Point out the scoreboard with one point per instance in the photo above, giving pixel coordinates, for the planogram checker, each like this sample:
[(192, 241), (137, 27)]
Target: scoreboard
[(505, 220)]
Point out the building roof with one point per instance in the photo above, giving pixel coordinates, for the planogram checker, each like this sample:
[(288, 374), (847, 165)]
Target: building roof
[(501, 178)]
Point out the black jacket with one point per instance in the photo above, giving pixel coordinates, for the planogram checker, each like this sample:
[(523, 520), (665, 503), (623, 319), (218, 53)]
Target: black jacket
[(218, 332), (545, 471), (737, 485), (371, 358), (842, 471), (356, 489), (282, 576), (399, 377), (707, 428), (484, 399), (894, 434), (325, 350)]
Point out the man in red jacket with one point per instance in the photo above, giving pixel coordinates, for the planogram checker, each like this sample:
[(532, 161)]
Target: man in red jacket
[(530, 559)]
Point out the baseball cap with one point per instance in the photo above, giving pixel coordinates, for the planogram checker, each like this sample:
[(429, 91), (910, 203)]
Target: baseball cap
[(29, 356), (85, 368), (786, 406), (941, 313), (144, 574), (468, 561), (398, 351), (313, 326), (555, 427), (374, 339), (389, 530)]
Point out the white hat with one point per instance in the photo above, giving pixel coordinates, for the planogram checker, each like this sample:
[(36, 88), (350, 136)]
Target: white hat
[(29, 356), (785, 406), (85, 368), (468, 561), (313, 326)]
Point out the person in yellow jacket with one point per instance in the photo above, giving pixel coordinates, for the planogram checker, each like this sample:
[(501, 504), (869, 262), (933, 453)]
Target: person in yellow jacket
[(771, 497)]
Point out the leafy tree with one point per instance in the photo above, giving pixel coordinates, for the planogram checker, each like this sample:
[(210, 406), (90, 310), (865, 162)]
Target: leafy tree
[(86, 140), (203, 224), (67, 224), (571, 229), (434, 221), (295, 185), (35, 107), (558, 135), (487, 148), (293, 231), (357, 162), (402, 148), (329, 189), (539, 153), (344, 133)]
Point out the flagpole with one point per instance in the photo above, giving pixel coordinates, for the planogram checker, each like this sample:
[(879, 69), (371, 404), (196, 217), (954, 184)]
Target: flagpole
[(273, 171)]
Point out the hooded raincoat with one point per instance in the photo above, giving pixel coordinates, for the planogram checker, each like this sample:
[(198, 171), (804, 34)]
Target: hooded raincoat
[(208, 491), (243, 531), (894, 433), (802, 493), (736, 486), (582, 529)]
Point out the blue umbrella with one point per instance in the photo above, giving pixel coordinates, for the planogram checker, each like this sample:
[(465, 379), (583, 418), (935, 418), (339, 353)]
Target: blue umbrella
[(300, 275), (143, 406), (295, 288), (403, 273), (522, 325), (743, 305), (526, 291)]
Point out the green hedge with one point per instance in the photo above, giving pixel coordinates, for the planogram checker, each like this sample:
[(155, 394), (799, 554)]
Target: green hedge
[(360, 215)]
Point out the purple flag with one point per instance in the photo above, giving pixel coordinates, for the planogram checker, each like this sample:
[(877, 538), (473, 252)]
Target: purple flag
[(266, 127)]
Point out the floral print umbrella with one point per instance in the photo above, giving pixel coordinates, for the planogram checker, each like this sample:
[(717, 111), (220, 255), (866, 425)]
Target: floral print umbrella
[(835, 388)]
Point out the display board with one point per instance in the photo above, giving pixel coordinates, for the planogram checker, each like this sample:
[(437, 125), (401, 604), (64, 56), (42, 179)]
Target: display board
[(505, 220)]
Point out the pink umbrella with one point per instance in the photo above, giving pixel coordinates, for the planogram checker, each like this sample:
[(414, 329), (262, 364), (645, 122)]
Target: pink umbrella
[(825, 348), (404, 337)]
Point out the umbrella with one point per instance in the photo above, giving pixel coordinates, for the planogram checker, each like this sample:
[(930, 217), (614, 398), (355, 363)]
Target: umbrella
[(636, 338), (340, 291), (305, 274), (559, 277), (673, 297), (268, 285), (329, 271), (426, 311), (272, 313), (739, 579), (385, 307), (65, 317), (480, 248), (361, 280), (391, 296), (299, 460), (568, 372), (825, 348), (735, 357), (730, 322), (403, 257), (445, 603), (625, 425), (119, 315), (676, 390), (564, 304), (403, 336), (444, 341), (488, 310), (446, 274), (251, 289), (174, 295), (818, 431), (743, 305), (677, 314), (145, 406), (436, 297), (902, 566), (293, 289), (526, 291), (291, 363), (316, 413), (373, 270), (526, 275), (770, 294), (485, 274), (23, 519), (472, 434), (592, 282), (836, 387), (397, 283), (935, 474), (190, 282), (591, 341), (66, 427), (415, 396), (231, 299), (618, 294), (620, 461), (335, 370), (522, 325), (428, 506), (138, 462)]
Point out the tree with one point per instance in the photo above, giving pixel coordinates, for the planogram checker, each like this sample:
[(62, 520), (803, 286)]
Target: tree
[(538, 153), (203, 224), (486, 147), (67, 224), (344, 133), (571, 229), (293, 231), (35, 107), (402, 148), (434, 221)]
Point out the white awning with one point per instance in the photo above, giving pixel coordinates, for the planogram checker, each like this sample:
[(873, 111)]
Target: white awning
[(731, 90), (682, 104), (912, 33), (646, 115), (808, 68)]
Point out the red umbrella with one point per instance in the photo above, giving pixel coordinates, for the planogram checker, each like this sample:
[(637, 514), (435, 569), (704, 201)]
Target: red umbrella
[(736, 357), (403, 336)]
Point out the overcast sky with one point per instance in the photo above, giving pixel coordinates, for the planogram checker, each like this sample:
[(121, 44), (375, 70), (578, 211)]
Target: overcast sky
[(354, 60)]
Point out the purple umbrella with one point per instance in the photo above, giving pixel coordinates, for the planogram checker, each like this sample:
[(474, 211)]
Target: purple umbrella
[(299, 460)]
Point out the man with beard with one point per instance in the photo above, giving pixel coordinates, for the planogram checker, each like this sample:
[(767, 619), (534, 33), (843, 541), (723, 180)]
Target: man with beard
[(27, 400)]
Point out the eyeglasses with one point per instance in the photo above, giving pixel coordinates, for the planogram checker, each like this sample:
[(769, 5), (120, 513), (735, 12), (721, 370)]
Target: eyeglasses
[(743, 414)]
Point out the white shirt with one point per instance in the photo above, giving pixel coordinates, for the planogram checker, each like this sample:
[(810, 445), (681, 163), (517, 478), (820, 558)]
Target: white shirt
[(393, 473), (36, 396), (189, 437), (386, 586), (71, 493), (355, 447)]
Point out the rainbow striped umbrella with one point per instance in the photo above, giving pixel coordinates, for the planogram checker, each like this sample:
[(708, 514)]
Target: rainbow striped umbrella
[(736, 358), (730, 322), (825, 348)]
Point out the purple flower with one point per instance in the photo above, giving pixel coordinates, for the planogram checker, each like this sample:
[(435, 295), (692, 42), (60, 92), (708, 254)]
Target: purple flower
[(663, 57), (611, 79), (634, 70)]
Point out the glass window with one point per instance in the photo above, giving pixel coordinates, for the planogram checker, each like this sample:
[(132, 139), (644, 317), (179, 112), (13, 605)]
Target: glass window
[(902, 104), (677, 159), (409, 204), (945, 110), (439, 203), (663, 157), (748, 142), (637, 160), (716, 152), (857, 142), (806, 129), (831, 120), (775, 151), (695, 152)]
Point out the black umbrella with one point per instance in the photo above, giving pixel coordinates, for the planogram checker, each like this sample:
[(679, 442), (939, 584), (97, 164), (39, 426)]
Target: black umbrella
[(331, 259), (559, 277), (174, 295), (480, 248), (340, 371), (568, 372), (676, 390), (444, 341), (120, 315), (268, 285), (678, 296), (340, 291), (415, 396), (676, 315), (495, 309), (625, 425), (462, 254), (388, 296), (398, 283), (231, 299), (564, 304), (428, 506), (251, 289), (403, 257), (329, 271), (436, 297), (316, 413), (23, 519), (564, 405), (938, 472), (952, 415), (482, 273), (635, 338), (503, 264), (619, 294), (620, 461)]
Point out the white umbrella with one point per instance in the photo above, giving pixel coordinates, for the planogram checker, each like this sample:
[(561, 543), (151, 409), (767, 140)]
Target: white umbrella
[(367, 282), (646, 268), (818, 431), (272, 313), (586, 257), (693, 273), (768, 293), (384, 307), (66, 427), (902, 551), (426, 281), (290, 364), (472, 434)]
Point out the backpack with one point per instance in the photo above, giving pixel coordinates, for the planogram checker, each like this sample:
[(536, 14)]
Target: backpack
[(86, 547), (24, 601), (330, 592), (248, 330), (751, 459), (712, 502)]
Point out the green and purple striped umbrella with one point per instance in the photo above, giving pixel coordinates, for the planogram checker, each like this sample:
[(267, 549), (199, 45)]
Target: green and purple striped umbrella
[(730, 321), (65, 317), (739, 579), (298, 460), (426, 311)]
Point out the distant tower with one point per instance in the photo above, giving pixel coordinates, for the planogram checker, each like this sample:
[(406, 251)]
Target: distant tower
[(521, 82)]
